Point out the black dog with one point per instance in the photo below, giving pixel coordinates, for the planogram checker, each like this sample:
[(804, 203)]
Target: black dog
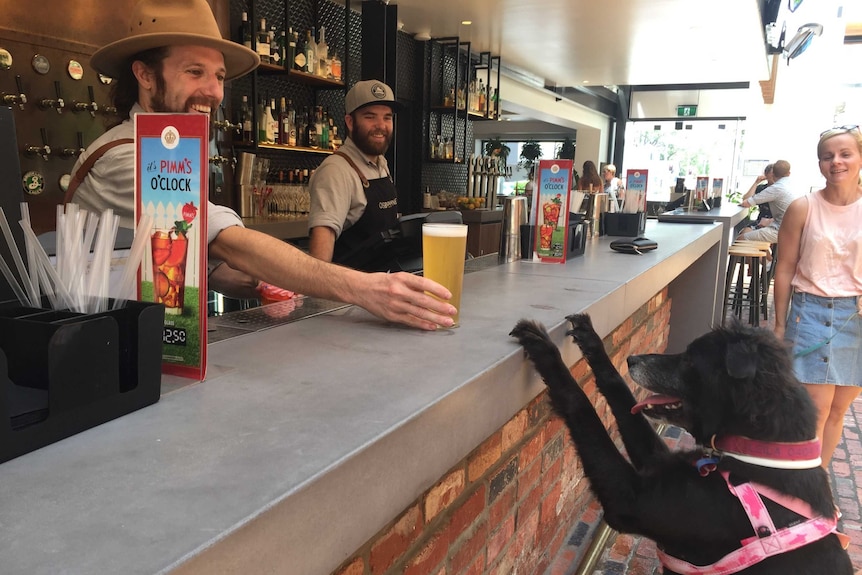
[(731, 383)]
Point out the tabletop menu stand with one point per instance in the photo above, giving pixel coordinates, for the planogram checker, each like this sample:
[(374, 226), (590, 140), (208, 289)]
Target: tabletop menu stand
[(63, 372)]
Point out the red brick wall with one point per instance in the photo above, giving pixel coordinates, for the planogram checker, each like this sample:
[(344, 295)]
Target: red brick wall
[(512, 502)]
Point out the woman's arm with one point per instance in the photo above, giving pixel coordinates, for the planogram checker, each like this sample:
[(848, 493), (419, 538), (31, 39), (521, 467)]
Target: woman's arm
[(789, 239)]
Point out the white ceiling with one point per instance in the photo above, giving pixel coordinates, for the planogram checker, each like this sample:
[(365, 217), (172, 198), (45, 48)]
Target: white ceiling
[(604, 42)]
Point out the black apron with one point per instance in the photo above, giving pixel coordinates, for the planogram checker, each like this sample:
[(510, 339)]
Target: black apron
[(365, 246)]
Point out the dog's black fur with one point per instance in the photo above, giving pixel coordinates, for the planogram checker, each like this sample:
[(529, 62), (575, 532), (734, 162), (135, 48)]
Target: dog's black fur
[(731, 381)]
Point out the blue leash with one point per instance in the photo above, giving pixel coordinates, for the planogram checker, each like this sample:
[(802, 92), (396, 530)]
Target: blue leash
[(817, 346)]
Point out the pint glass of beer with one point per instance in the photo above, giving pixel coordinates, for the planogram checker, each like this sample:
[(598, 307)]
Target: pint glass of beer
[(444, 247)]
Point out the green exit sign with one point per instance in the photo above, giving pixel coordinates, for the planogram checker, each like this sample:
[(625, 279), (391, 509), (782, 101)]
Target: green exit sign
[(686, 111)]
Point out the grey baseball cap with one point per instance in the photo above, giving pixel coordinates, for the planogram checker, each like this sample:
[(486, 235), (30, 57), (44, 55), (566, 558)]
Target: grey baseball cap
[(368, 92)]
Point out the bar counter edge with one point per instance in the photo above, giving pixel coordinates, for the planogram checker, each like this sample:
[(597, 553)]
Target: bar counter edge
[(308, 438)]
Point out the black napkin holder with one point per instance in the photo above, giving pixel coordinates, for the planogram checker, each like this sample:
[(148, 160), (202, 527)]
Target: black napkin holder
[(62, 372), (619, 224)]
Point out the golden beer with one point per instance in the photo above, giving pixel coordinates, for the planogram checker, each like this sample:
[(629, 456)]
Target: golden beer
[(444, 247)]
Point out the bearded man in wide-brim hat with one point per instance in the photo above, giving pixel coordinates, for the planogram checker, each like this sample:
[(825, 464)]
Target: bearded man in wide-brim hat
[(173, 59)]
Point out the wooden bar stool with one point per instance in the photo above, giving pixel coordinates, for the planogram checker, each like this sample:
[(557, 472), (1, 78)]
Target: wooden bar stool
[(744, 259), (766, 275)]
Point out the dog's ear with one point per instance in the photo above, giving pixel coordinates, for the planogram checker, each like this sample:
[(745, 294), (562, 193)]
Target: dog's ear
[(741, 359)]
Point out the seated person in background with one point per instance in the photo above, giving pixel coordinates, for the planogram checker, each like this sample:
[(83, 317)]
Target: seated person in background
[(175, 60), (779, 195), (764, 214), (613, 185), (353, 198), (590, 181)]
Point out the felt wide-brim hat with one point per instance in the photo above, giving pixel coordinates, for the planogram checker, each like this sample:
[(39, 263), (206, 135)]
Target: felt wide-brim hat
[(157, 23)]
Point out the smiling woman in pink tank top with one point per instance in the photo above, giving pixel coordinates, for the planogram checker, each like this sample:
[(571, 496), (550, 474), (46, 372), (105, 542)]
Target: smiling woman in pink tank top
[(818, 278)]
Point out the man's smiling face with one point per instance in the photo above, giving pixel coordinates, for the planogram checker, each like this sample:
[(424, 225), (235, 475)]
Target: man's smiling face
[(191, 80)]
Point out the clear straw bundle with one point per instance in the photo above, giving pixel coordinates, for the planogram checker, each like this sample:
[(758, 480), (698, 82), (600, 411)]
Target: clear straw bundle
[(79, 279)]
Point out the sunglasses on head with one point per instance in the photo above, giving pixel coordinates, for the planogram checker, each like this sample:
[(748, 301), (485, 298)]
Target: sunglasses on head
[(848, 128)]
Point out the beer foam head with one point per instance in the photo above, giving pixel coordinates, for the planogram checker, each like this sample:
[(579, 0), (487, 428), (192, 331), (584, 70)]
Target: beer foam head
[(445, 230)]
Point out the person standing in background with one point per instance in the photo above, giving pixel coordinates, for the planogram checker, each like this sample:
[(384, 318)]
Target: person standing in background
[(818, 276), (353, 197), (173, 59), (613, 185), (590, 181)]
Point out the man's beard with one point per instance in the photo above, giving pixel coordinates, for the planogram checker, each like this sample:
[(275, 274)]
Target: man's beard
[(372, 148), (157, 102)]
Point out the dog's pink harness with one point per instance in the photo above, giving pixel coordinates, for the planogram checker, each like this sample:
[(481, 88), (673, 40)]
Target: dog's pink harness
[(768, 540)]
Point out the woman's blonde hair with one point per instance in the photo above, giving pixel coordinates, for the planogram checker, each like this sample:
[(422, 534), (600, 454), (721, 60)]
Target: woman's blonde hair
[(853, 131)]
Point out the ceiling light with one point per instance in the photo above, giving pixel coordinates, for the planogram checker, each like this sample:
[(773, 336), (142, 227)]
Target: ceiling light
[(422, 36), (466, 22)]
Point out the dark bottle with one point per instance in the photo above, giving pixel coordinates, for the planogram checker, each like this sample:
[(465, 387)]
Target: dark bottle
[(245, 116), (245, 31), (291, 49), (311, 135)]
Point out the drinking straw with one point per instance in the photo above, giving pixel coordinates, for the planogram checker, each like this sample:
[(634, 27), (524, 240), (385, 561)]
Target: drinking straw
[(142, 234), (16, 287), (65, 301), (31, 260), (16, 255), (78, 262), (98, 280)]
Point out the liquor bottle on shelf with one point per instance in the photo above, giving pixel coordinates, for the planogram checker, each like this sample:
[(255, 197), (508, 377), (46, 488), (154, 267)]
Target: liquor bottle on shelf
[(245, 117), (299, 62), (300, 129), (311, 136), (245, 31), (322, 55), (263, 42), (290, 52), (335, 67), (310, 52), (324, 130), (278, 48), (261, 120), (272, 131), (334, 138)]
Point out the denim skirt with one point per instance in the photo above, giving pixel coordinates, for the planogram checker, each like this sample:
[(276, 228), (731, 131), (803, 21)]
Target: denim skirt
[(826, 338)]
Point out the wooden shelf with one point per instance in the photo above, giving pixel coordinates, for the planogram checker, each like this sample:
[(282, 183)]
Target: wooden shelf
[(303, 77), (287, 148)]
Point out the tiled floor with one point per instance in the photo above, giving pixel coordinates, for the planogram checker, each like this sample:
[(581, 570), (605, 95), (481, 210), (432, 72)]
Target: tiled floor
[(625, 554)]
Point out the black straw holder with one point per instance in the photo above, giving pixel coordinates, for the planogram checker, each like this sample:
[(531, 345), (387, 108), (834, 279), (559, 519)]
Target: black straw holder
[(63, 372)]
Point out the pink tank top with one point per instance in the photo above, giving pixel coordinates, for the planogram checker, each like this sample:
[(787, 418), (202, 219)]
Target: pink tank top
[(830, 252)]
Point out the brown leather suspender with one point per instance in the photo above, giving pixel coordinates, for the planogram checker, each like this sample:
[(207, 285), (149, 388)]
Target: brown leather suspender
[(88, 164)]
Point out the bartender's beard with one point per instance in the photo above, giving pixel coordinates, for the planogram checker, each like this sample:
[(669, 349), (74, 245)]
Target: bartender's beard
[(371, 147), (158, 104)]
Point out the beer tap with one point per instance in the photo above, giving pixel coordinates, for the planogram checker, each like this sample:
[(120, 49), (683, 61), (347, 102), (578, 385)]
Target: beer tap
[(72, 152), (90, 106), (219, 160), (227, 126), (44, 150), (57, 104), (18, 99)]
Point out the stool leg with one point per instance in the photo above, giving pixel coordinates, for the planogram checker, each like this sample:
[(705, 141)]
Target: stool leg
[(728, 280)]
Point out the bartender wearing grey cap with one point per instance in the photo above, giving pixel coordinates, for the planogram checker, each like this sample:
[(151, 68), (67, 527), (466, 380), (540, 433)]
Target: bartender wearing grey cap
[(353, 197)]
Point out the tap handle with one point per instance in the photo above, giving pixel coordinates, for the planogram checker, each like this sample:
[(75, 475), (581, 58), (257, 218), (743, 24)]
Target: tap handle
[(44, 132), (22, 98), (60, 102)]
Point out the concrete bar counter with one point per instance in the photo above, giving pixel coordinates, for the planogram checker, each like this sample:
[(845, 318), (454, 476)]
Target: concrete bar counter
[(308, 439)]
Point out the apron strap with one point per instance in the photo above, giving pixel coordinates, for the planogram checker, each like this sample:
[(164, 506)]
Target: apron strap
[(84, 170), (355, 168)]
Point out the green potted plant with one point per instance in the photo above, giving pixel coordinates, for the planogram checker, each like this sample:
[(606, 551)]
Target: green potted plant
[(496, 147), (567, 152), (531, 151)]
